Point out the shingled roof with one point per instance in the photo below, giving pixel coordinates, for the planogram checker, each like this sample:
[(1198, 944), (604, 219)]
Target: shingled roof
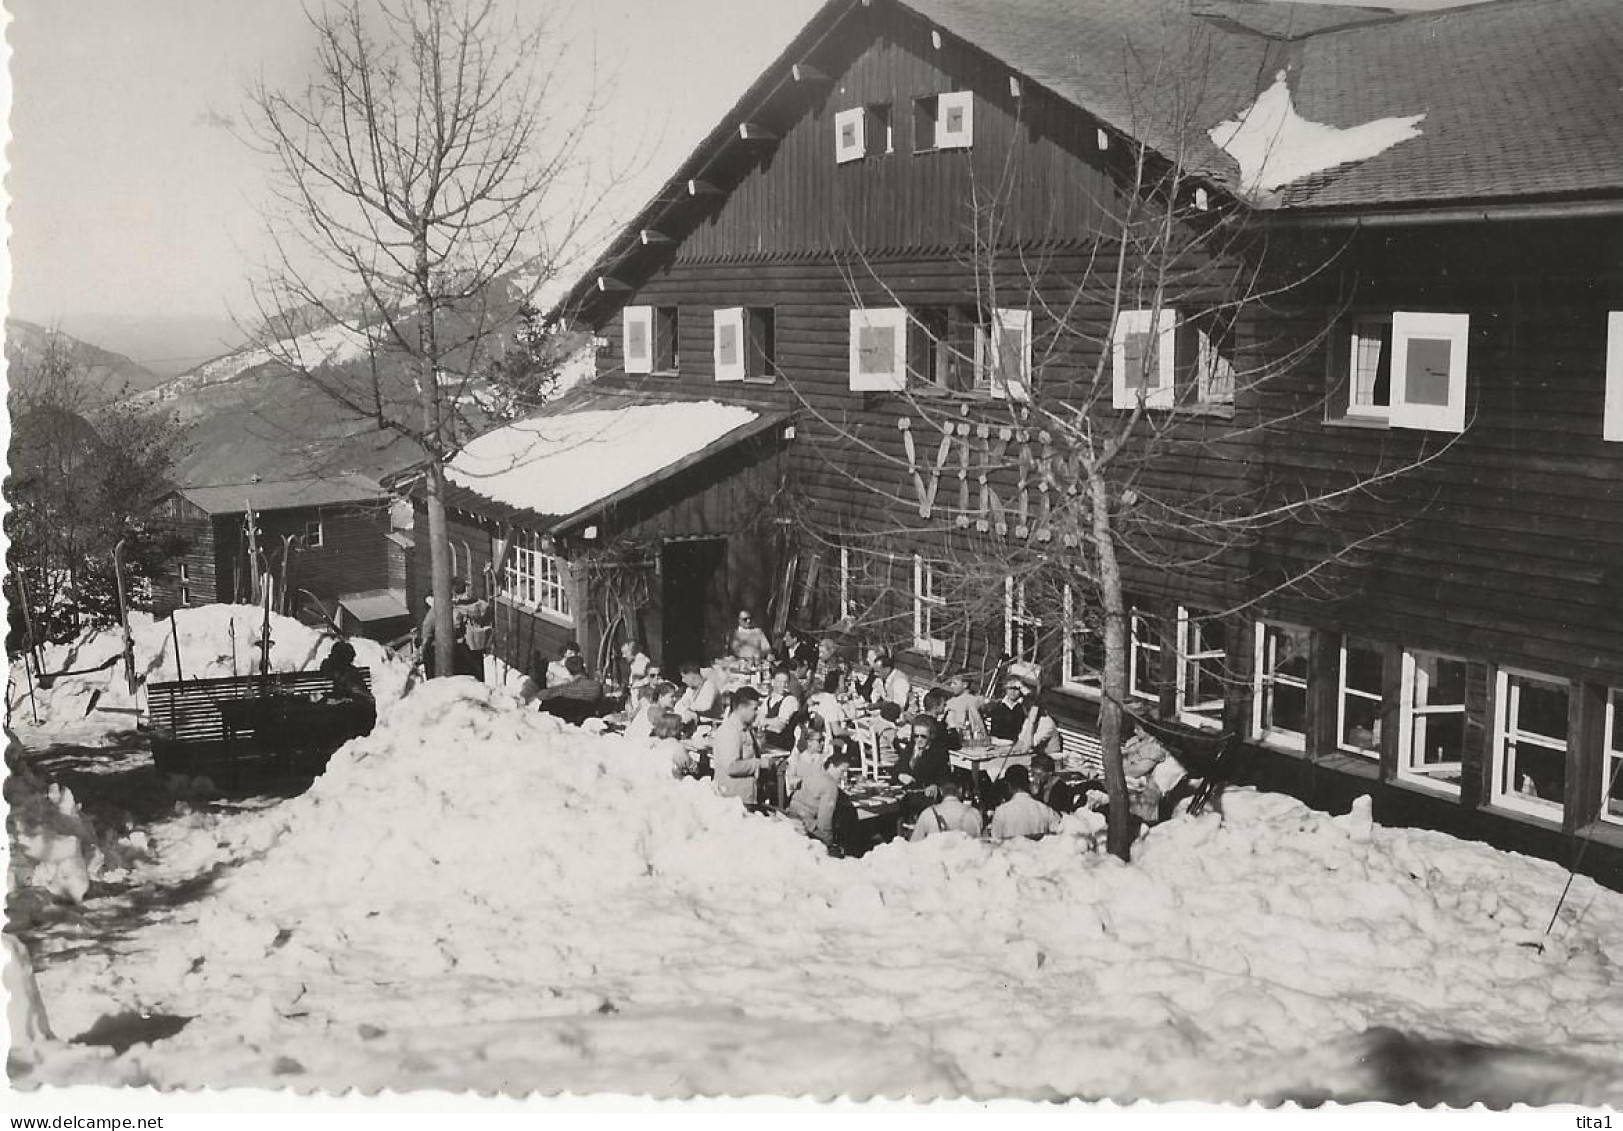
[(1518, 99)]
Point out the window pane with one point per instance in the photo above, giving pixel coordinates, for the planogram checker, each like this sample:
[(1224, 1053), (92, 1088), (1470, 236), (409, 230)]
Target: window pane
[(1439, 741), (1439, 681), (1541, 773), (1427, 376), (848, 135), (1285, 708), (1372, 365), (727, 344), (1288, 651), (1365, 668), (637, 338), (1542, 709), (1361, 724), (1617, 721)]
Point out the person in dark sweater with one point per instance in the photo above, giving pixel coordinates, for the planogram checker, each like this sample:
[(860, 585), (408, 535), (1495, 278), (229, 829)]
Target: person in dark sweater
[(928, 761)]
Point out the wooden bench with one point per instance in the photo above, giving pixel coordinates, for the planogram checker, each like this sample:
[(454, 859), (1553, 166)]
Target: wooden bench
[(287, 717)]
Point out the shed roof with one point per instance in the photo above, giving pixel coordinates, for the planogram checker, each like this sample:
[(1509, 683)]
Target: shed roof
[(283, 494), (584, 453)]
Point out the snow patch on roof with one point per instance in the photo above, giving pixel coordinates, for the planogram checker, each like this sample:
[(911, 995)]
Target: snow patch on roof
[(555, 465), (1275, 146)]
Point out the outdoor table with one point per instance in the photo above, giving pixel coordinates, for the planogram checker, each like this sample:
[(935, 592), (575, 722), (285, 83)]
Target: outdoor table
[(878, 808), (993, 761)]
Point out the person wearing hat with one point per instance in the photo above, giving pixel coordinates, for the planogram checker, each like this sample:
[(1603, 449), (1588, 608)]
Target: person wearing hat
[(1017, 717)]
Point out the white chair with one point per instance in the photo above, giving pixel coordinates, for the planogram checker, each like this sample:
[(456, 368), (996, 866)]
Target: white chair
[(868, 751)]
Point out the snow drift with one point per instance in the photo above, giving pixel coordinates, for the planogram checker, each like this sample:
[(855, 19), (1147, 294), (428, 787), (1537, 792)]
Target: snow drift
[(474, 897)]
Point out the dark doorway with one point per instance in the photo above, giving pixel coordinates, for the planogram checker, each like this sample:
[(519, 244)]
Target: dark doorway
[(693, 586)]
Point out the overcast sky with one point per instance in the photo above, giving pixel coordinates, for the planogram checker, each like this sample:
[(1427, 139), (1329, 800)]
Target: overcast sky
[(129, 197)]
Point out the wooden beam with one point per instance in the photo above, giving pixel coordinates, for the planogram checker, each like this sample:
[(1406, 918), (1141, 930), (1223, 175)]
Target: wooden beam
[(651, 238), (1014, 87), (805, 72), (754, 131), (702, 188), (610, 286)]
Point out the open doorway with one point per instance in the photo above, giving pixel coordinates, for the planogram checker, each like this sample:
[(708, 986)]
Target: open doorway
[(693, 590)]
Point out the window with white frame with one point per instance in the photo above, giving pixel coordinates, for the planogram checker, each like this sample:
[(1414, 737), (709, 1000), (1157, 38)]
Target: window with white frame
[(1531, 715), (1143, 354), (536, 578), (637, 339), (1082, 659), (944, 121), (1212, 347), (878, 349), (929, 607), (1360, 697), (944, 346), (313, 533), (1407, 369), (1022, 628), (1202, 665), (1612, 428), (1611, 766), (185, 584), (746, 345), (1144, 656), (1279, 699), (1431, 721)]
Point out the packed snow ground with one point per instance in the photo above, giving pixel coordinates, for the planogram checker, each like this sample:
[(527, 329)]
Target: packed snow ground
[(474, 897)]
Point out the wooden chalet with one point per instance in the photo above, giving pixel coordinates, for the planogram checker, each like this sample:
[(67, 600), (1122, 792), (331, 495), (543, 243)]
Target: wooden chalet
[(1456, 308), (327, 540)]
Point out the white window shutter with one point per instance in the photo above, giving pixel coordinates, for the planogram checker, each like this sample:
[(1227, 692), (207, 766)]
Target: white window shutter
[(1162, 327), (955, 120), (1613, 427), (729, 349), (1008, 615), (878, 350), (637, 327), (1011, 376), (1429, 360), (850, 135)]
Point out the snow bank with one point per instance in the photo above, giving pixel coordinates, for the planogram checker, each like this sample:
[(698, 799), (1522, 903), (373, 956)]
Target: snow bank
[(215, 640), (477, 897), (558, 464), (1275, 146)]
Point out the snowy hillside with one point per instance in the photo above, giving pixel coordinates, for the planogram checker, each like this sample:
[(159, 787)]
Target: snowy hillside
[(475, 897)]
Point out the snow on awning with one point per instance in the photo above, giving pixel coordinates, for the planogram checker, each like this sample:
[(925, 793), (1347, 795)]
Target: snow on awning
[(1275, 146), (375, 605), (559, 465)]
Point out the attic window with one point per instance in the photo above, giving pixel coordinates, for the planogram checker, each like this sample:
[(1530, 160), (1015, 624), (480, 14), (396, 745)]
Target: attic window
[(944, 121), (863, 131)]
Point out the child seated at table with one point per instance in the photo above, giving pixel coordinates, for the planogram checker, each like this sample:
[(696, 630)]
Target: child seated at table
[(667, 740)]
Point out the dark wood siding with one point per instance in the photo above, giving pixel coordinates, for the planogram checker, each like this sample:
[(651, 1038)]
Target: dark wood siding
[(202, 586)]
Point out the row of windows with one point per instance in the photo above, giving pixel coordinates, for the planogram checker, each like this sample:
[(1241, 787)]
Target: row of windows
[(1425, 696), (1401, 369)]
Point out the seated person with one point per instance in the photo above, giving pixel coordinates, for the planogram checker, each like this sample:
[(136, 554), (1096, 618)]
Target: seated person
[(1151, 770), (347, 681), (578, 696), (1022, 814), (963, 710), (748, 642), (816, 797), (948, 815), (701, 694), (795, 649), (935, 705), (735, 755), (891, 683), (639, 669), (667, 739), (558, 670), (657, 702), (827, 663), (1017, 717), (884, 724), (922, 761), (825, 705), (781, 713), (1049, 788)]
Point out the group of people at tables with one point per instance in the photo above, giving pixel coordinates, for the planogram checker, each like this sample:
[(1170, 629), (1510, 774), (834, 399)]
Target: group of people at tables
[(791, 740)]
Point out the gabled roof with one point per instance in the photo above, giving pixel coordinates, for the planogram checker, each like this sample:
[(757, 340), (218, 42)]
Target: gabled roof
[(1521, 98), (283, 494)]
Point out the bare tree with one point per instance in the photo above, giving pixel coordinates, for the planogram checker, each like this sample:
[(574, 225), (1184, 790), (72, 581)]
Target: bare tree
[(429, 180), (1091, 415)]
